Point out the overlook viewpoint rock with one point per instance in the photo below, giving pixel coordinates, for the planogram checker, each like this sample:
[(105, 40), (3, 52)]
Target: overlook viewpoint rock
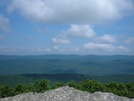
[(66, 94)]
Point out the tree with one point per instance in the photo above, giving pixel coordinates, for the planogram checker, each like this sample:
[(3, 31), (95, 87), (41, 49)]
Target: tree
[(57, 85), (20, 88), (41, 86), (72, 84), (91, 86), (130, 87), (111, 86), (30, 87), (6, 91)]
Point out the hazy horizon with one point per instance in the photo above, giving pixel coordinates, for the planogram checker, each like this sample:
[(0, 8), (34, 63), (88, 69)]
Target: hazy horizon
[(67, 54)]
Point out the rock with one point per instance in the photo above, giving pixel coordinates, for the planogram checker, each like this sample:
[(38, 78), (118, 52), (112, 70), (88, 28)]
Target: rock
[(66, 94)]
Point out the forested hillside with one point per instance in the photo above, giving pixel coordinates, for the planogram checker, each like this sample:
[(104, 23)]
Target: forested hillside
[(90, 86), (56, 66), (13, 80)]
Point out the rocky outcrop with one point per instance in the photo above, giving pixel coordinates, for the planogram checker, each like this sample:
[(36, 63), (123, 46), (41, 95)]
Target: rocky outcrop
[(66, 94)]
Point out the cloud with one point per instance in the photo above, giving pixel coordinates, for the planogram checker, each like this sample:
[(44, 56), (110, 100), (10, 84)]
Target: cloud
[(68, 50), (87, 48), (48, 49), (107, 38), (75, 31), (130, 40), (60, 41), (56, 47), (97, 47), (4, 24), (41, 49), (73, 49), (78, 31), (20, 48), (7, 49), (72, 11), (122, 49)]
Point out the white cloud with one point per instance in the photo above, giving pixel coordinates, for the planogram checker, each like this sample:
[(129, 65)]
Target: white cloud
[(75, 31), (108, 38), (61, 50), (97, 47), (60, 41), (56, 47), (87, 48), (48, 49), (7, 49), (72, 11), (130, 40), (78, 31), (20, 48), (24, 50), (122, 48), (73, 49), (4, 24), (41, 49), (68, 50)]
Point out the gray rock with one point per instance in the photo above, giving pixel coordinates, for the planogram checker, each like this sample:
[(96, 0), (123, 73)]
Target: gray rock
[(66, 94)]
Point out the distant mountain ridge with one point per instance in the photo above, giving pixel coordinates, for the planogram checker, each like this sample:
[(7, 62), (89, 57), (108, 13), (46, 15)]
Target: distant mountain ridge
[(74, 64), (76, 57)]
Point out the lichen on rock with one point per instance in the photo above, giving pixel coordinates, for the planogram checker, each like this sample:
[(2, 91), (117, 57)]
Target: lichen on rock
[(66, 94)]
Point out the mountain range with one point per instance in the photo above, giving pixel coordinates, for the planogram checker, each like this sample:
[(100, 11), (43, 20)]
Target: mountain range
[(74, 64)]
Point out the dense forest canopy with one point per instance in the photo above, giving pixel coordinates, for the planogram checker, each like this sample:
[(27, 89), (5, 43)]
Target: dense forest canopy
[(87, 85)]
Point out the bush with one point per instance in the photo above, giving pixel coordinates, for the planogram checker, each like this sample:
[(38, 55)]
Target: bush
[(120, 89)]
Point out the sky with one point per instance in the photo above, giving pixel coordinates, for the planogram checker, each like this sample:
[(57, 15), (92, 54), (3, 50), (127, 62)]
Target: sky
[(84, 27)]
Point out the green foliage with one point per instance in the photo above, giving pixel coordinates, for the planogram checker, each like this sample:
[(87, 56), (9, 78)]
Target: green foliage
[(87, 85), (72, 83), (57, 85), (118, 88), (44, 86), (41, 86), (130, 88), (20, 88), (91, 86), (14, 80), (6, 91)]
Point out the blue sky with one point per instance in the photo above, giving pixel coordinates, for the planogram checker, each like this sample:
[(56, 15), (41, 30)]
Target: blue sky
[(37, 27)]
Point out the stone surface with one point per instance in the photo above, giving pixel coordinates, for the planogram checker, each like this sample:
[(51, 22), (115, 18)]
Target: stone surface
[(66, 94)]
